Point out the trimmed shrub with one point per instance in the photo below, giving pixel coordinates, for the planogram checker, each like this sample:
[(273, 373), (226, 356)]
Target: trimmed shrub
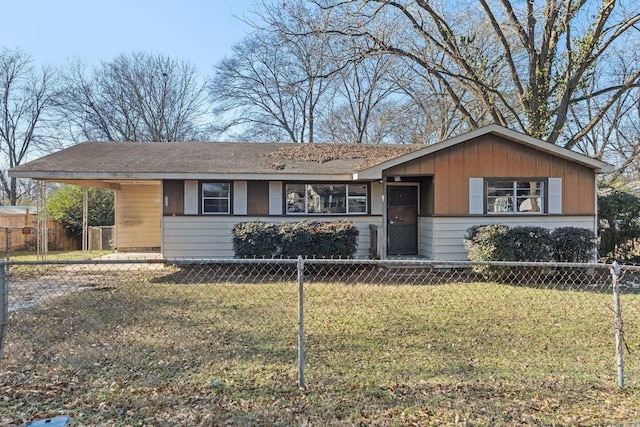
[(530, 244), (297, 239), (499, 242), (338, 239), (488, 243), (573, 244), (256, 239)]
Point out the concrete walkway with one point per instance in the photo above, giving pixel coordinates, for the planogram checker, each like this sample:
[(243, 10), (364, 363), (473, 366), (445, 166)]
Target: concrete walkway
[(132, 256)]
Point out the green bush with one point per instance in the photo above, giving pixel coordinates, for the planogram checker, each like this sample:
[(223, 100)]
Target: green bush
[(530, 244), (572, 244), (619, 225), (296, 239), (257, 239), (498, 242), (65, 205), (337, 239), (488, 243)]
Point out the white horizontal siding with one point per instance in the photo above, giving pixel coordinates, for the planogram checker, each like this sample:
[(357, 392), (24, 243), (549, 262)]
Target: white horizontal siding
[(425, 237), (448, 233), (211, 236)]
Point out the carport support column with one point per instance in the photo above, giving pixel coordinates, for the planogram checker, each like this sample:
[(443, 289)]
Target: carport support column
[(85, 220)]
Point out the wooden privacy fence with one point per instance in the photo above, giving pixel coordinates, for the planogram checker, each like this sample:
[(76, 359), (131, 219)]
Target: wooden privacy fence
[(18, 231)]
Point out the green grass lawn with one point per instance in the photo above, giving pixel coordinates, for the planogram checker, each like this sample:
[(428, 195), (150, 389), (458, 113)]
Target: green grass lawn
[(157, 353)]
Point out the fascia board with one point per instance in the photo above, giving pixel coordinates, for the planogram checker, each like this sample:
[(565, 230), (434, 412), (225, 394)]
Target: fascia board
[(52, 176)]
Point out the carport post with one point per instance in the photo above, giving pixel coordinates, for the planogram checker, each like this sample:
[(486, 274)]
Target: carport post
[(4, 307)]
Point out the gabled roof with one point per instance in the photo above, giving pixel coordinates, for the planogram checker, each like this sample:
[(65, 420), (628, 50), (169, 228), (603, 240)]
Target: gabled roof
[(207, 160), (375, 172), (120, 161)]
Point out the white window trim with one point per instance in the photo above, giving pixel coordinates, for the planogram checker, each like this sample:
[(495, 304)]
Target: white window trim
[(347, 199), (228, 198), (552, 195)]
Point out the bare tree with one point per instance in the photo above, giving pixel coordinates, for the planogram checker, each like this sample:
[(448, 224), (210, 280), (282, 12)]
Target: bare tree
[(362, 101), (526, 71), (616, 135), (26, 98), (274, 83), (137, 97)]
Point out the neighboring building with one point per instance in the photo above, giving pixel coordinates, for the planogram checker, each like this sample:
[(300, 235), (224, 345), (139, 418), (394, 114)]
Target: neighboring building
[(183, 199)]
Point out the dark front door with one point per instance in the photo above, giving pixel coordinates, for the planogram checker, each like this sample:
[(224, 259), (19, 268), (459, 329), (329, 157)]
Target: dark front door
[(402, 220)]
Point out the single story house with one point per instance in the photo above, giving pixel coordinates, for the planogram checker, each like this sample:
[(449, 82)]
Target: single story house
[(183, 199)]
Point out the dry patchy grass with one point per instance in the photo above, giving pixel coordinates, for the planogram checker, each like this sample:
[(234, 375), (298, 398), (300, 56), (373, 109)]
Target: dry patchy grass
[(155, 353)]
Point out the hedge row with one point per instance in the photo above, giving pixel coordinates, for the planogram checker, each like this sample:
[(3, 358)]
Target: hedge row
[(497, 242), (259, 239)]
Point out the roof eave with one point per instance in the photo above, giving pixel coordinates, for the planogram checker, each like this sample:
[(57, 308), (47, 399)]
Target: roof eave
[(53, 176)]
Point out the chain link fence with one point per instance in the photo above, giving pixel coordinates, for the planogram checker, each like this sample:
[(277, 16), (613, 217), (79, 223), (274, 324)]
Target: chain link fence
[(102, 238), (130, 331)]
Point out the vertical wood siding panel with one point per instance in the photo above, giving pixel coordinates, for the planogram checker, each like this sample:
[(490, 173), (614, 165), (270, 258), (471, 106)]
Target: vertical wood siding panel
[(571, 185), (173, 197), (471, 159), (530, 164), (138, 214), (486, 159), (258, 198), (586, 194), (458, 183), (443, 191), (514, 160), (500, 158), (413, 167), (427, 165)]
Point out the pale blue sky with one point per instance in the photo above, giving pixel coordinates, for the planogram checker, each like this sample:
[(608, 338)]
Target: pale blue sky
[(52, 31)]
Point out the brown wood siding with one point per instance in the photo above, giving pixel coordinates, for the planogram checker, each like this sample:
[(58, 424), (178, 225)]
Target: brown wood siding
[(258, 197), (173, 197), (490, 156)]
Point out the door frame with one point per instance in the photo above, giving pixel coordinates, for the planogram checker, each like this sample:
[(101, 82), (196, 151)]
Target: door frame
[(388, 188)]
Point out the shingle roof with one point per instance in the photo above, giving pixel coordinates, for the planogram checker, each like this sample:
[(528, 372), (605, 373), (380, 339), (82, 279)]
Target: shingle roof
[(122, 159)]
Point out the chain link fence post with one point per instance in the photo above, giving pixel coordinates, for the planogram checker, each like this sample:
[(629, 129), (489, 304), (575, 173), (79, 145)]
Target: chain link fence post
[(300, 322), (615, 278), (4, 307)]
